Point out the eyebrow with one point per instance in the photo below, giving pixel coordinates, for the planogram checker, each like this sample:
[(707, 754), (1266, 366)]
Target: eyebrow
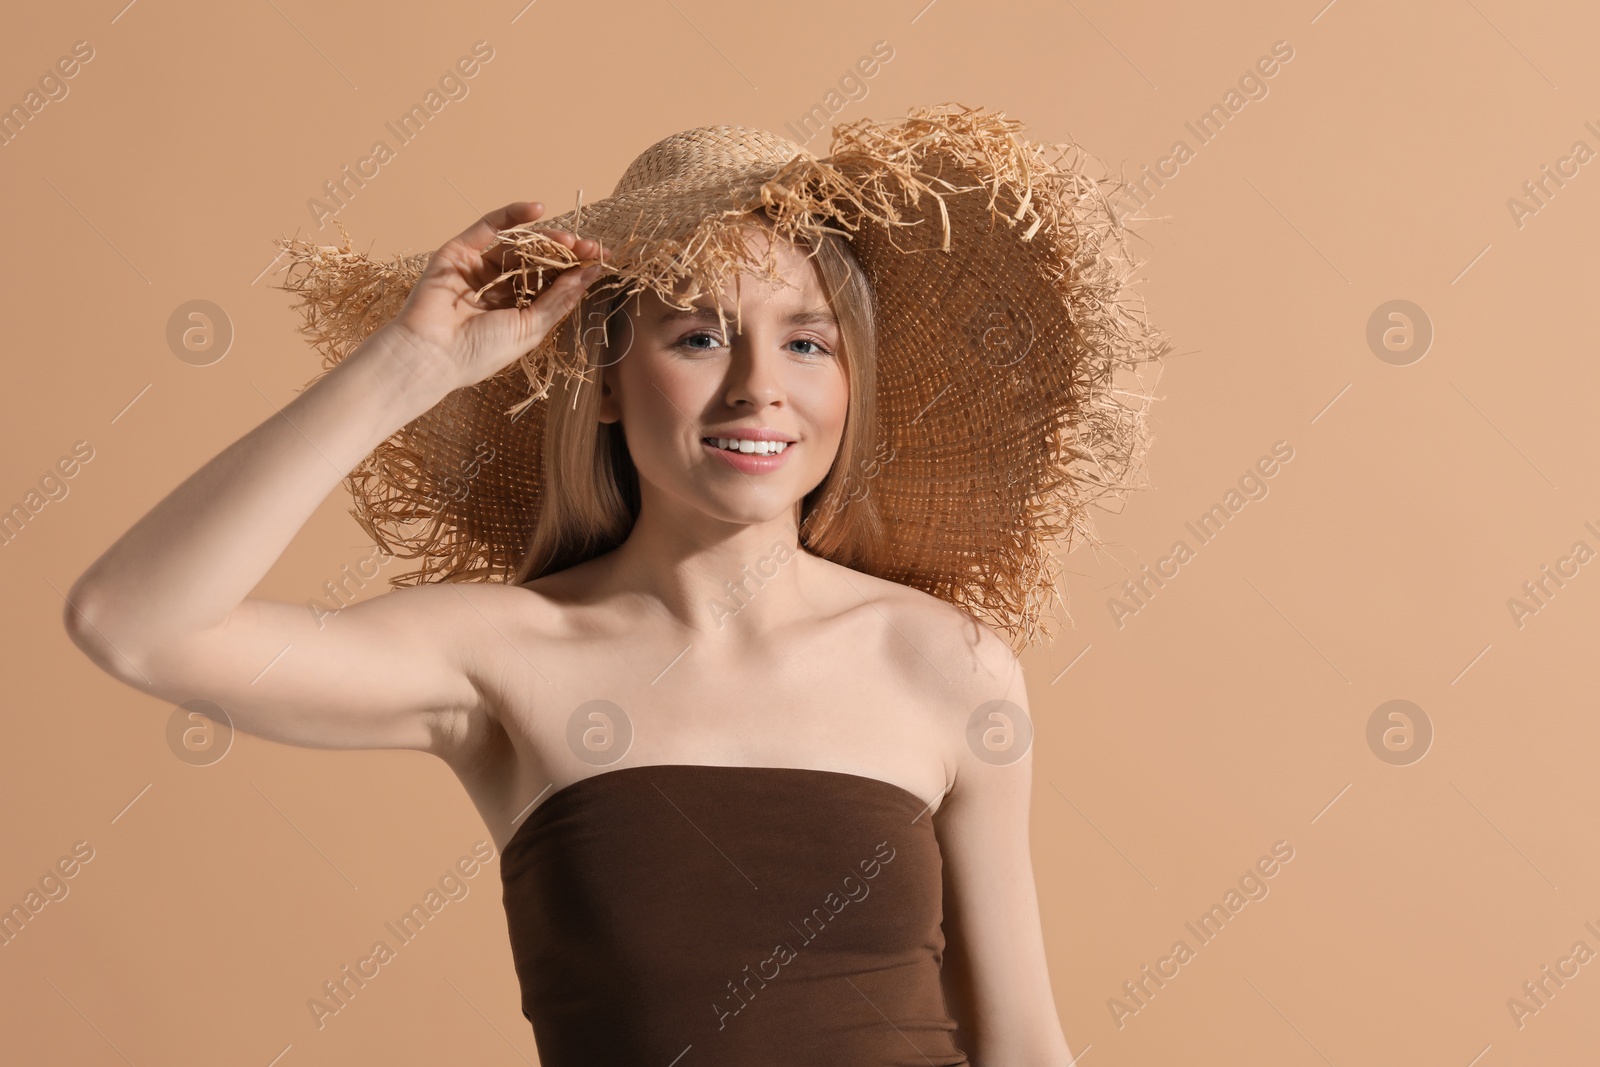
[(704, 314)]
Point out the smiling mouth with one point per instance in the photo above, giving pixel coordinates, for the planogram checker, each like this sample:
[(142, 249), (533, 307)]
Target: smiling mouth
[(745, 447)]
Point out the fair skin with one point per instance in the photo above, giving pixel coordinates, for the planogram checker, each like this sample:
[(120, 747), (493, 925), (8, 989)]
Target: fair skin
[(825, 668)]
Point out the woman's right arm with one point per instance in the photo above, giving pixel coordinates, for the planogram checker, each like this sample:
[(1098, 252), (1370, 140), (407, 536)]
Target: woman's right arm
[(167, 608)]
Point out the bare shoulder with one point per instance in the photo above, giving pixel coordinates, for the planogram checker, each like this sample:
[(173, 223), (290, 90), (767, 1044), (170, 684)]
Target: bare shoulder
[(955, 661), (954, 644)]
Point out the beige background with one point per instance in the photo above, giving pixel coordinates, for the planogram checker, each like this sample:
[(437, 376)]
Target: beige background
[(1229, 713)]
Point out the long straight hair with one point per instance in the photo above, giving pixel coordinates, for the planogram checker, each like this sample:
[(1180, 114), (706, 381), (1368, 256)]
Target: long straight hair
[(590, 494)]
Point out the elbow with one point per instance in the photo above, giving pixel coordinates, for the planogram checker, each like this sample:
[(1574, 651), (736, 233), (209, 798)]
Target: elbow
[(77, 620), (89, 628)]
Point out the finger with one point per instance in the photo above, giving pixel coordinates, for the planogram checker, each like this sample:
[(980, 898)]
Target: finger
[(498, 257), (588, 248), (501, 294), (582, 247), (552, 305), (499, 260), (561, 237), (503, 258), (481, 234), (565, 289)]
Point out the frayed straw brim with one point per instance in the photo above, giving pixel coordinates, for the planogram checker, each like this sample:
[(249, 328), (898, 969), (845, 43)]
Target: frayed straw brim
[(1010, 356)]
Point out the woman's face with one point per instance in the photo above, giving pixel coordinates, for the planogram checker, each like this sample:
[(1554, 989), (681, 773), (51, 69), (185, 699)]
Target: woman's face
[(675, 379)]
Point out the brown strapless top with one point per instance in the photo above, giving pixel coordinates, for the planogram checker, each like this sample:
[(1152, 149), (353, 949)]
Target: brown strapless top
[(679, 915)]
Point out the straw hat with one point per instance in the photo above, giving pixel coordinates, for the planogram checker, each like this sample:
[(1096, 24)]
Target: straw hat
[(1007, 332)]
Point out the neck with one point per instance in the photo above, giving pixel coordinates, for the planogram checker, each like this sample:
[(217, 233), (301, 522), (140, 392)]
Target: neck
[(718, 580)]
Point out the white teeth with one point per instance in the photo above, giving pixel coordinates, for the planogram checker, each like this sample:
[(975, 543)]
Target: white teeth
[(759, 448)]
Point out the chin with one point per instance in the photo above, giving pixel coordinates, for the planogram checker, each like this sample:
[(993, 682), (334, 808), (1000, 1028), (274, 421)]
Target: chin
[(751, 514), (750, 508)]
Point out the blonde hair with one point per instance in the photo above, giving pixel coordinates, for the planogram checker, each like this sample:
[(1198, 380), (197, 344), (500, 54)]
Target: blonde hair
[(590, 498)]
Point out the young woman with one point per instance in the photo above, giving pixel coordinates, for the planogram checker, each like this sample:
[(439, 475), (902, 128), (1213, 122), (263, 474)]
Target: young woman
[(746, 796)]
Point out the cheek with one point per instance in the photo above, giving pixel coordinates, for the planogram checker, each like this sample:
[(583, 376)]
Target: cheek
[(825, 398), (660, 397), (673, 395)]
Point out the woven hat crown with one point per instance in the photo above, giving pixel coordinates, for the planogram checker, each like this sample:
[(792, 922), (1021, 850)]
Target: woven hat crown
[(698, 154)]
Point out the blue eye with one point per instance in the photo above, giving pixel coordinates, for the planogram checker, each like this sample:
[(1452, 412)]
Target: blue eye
[(684, 343), (821, 351)]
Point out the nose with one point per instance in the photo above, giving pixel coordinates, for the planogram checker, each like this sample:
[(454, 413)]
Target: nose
[(755, 377)]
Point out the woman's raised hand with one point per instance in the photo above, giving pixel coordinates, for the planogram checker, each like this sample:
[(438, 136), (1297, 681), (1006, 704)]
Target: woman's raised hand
[(448, 337)]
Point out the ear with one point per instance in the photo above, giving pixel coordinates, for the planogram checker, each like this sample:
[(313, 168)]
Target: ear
[(610, 409), (619, 338)]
